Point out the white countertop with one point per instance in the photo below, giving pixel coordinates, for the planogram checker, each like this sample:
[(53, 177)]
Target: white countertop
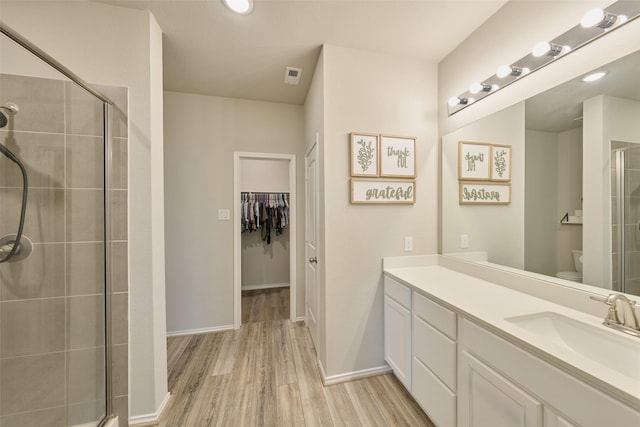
[(489, 304)]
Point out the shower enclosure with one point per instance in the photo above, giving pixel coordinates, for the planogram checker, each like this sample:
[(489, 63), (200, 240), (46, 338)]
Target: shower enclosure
[(625, 181), (55, 243)]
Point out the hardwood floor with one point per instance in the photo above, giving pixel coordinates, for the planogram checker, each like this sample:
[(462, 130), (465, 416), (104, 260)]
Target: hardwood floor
[(265, 374), (265, 304)]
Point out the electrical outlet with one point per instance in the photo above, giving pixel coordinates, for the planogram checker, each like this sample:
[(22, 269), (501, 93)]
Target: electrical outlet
[(408, 244), (464, 241)]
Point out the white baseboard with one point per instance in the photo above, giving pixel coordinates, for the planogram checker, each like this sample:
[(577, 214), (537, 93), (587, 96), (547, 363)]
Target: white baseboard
[(264, 286), (350, 376), (150, 419), (200, 331)]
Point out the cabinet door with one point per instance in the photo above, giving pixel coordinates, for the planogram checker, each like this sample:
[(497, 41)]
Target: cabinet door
[(397, 340), (486, 398), (553, 419)]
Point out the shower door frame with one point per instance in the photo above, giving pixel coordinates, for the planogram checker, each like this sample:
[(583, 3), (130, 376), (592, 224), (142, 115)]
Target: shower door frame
[(619, 159), (108, 127)]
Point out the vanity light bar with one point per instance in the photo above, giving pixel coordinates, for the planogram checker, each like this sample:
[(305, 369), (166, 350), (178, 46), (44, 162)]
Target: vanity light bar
[(594, 24)]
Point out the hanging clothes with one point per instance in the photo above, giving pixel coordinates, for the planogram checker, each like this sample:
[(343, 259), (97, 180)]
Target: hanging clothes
[(264, 212)]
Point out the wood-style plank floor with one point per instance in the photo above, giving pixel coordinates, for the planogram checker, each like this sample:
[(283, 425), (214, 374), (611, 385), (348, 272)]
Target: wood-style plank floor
[(265, 374), (265, 304)]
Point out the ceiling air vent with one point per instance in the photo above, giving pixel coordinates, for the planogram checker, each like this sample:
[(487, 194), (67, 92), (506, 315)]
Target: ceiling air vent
[(292, 75)]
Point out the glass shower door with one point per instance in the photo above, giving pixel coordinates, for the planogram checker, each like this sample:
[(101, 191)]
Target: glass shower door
[(626, 235), (52, 288)]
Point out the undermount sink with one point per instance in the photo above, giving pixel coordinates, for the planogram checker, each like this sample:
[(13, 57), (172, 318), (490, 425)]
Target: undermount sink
[(619, 353)]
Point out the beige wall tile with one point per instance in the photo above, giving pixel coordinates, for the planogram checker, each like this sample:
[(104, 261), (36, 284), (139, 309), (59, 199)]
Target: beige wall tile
[(32, 383), (119, 215), (85, 162), (120, 318), (41, 103), (45, 214), (85, 215), (121, 410), (41, 275), (85, 268), (119, 267), (54, 417), (120, 370), (42, 155), (119, 169), (84, 112), (32, 326), (85, 321), (119, 96), (85, 376)]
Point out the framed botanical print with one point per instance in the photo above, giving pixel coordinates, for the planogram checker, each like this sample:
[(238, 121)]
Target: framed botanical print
[(500, 162), (364, 154)]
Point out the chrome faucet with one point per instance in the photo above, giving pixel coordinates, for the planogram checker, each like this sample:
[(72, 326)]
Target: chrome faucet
[(629, 322)]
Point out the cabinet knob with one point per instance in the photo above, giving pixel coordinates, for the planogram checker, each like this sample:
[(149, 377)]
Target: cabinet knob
[(313, 260)]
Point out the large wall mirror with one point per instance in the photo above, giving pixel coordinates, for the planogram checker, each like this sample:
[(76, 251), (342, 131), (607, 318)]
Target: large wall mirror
[(574, 209)]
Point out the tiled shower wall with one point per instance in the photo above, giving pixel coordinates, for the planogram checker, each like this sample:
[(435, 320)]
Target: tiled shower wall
[(632, 206), (52, 346)]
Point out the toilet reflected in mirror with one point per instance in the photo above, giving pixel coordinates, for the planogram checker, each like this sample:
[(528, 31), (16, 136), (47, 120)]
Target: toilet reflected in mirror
[(574, 276)]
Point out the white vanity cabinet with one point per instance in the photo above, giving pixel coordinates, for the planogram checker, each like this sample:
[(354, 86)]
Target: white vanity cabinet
[(433, 366), (500, 381), (397, 329)]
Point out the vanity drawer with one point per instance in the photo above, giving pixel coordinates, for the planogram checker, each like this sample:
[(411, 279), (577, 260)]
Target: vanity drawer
[(434, 350), (433, 396), (437, 316), (398, 292)]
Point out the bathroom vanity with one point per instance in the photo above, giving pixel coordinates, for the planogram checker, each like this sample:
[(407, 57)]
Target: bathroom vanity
[(476, 353)]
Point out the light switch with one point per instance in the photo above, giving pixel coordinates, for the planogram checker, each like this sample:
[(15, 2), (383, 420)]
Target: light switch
[(223, 215), (464, 241), (408, 244)]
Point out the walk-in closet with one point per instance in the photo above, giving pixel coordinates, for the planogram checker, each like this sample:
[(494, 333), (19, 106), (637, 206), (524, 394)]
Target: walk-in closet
[(265, 223)]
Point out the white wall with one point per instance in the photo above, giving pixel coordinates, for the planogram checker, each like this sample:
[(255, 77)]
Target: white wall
[(497, 229), (375, 93), (115, 46), (201, 135), (605, 119), (540, 208), (569, 171)]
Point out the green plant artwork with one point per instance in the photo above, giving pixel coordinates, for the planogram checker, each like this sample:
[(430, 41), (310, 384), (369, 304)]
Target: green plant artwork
[(365, 154), (500, 162)]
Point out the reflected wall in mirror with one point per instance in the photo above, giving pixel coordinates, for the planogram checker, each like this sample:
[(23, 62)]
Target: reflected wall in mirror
[(574, 156)]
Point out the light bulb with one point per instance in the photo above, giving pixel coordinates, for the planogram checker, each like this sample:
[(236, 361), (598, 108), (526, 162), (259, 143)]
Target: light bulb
[(453, 101), (541, 49), (475, 88), (592, 18), (503, 71), (525, 71), (241, 7)]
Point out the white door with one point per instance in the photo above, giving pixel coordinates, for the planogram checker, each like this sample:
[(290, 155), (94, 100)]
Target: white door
[(311, 243)]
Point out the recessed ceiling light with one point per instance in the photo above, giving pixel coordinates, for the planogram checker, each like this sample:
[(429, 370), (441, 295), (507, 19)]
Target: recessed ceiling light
[(241, 7), (594, 76)]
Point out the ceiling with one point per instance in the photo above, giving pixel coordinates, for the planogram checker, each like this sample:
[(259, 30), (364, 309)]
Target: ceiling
[(560, 108), (209, 50)]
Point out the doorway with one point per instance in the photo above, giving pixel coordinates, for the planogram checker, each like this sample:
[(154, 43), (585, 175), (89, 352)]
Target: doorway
[(275, 183)]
